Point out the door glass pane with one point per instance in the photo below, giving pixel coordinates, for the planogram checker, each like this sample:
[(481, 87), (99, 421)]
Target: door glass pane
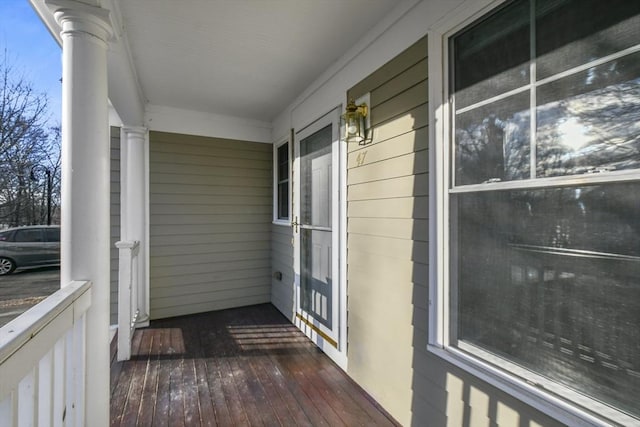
[(549, 279), (315, 179), (316, 287)]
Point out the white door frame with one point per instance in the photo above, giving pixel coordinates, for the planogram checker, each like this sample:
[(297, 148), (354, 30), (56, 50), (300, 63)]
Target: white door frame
[(335, 345)]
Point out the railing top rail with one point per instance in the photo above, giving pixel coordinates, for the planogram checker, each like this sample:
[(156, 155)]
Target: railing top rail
[(20, 330)]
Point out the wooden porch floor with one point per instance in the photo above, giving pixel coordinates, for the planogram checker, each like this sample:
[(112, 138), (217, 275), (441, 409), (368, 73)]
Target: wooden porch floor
[(238, 367)]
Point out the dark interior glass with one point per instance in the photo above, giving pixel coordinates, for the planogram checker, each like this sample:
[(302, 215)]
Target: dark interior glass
[(283, 162), (573, 32), (550, 280), (492, 56), (283, 200), (283, 181)]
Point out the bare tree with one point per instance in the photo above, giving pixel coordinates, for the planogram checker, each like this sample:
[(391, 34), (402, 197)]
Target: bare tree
[(29, 152)]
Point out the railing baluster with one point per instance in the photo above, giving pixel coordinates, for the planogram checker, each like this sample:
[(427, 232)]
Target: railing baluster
[(79, 357), (27, 400), (45, 389), (69, 380), (128, 304), (59, 376), (7, 408)]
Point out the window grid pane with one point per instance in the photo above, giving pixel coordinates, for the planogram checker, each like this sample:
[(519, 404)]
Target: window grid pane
[(595, 133)]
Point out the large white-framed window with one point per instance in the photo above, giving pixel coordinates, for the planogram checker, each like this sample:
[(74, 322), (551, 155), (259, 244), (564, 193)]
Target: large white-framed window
[(282, 182), (535, 183)]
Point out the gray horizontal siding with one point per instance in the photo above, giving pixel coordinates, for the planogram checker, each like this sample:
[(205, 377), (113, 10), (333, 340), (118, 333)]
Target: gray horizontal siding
[(210, 224), (282, 291), (166, 242)]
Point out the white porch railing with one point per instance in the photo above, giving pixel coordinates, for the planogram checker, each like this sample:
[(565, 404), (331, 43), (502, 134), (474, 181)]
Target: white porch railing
[(43, 359), (128, 304)]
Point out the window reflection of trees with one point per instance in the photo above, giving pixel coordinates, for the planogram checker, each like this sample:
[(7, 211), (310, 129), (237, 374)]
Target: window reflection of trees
[(593, 132)]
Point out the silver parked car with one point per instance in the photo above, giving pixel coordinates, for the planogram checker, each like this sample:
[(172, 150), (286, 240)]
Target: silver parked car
[(30, 246)]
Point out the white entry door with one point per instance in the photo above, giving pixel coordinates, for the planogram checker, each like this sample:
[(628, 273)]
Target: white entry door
[(316, 231)]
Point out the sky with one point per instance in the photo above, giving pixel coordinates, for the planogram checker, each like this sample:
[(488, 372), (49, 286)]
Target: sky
[(32, 51)]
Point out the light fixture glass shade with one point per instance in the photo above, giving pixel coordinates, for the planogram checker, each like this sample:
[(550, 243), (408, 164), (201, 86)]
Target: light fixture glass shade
[(354, 127)]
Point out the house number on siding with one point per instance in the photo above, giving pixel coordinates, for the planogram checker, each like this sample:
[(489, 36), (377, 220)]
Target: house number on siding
[(360, 158)]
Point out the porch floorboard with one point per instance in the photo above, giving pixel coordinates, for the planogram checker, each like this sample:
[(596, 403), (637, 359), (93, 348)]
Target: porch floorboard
[(248, 366)]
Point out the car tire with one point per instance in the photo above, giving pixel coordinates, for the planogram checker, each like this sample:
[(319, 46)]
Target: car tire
[(7, 265)]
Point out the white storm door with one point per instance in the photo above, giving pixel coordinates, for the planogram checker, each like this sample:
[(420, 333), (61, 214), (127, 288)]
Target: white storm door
[(316, 227)]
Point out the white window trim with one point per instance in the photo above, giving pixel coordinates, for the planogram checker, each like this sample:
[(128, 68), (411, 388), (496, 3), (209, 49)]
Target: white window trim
[(276, 146), (534, 390)]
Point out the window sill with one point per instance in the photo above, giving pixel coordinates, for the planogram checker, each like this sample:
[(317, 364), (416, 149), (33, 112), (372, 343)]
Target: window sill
[(282, 222), (535, 391)]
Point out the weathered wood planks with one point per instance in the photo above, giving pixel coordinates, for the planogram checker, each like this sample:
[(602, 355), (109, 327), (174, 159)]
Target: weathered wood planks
[(248, 366)]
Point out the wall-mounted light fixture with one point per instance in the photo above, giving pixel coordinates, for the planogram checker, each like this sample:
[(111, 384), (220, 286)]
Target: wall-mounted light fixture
[(354, 126)]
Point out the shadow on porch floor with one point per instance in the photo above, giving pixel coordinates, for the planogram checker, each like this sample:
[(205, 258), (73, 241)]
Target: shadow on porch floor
[(245, 366)]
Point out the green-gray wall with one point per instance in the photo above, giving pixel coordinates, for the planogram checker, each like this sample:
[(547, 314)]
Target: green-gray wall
[(282, 290), (210, 224)]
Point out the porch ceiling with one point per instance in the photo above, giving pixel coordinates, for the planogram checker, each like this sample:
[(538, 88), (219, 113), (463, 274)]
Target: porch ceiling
[(242, 58)]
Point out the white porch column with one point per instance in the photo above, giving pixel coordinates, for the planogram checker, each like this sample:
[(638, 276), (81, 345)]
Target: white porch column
[(85, 182), (134, 206)]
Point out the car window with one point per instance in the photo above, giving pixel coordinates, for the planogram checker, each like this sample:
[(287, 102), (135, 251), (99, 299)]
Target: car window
[(4, 236), (33, 235), (53, 234)]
